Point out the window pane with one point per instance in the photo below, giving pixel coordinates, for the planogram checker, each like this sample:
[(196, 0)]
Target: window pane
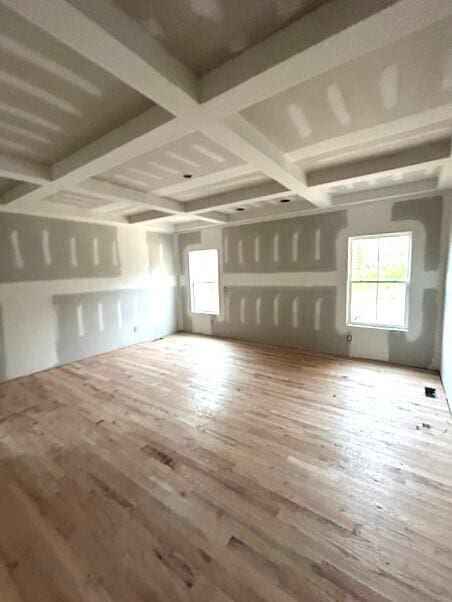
[(394, 257), (391, 304), (203, 265), (364, 259), (203, 272), (363, 306), (205, 297)]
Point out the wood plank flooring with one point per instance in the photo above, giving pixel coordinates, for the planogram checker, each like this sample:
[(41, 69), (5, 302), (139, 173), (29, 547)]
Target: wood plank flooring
[(203, 470)]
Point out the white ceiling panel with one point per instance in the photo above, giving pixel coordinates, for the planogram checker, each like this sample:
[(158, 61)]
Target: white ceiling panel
[(221, 186), (194, 155), (5, 184), (412, 75), (53, 101), (79, 139), (203, 34)]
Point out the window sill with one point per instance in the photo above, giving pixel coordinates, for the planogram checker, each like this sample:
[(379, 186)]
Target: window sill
[(377, 327)]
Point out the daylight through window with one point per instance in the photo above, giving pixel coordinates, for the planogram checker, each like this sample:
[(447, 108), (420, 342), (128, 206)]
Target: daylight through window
[(378, 280), (204, 290)]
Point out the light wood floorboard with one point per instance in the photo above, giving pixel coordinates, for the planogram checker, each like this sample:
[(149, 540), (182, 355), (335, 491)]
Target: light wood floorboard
[(203, 470)]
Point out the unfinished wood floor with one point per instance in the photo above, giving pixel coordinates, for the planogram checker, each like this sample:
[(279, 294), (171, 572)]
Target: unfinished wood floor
[(195, 469)]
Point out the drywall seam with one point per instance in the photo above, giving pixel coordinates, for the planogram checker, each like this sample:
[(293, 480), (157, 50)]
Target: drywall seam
[(281, 279), (139, 264), (177, 263), (241, 282)]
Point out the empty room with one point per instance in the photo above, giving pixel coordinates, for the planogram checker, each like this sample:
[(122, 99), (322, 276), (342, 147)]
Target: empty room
[(225, 300)]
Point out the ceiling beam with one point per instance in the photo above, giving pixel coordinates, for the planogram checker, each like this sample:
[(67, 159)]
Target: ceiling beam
[(23, 170), (408, 189), (214, 217), (221, 176), (151, 129), (445, 174), (334, 34), (113, 192), (426, 187), (422, 155), (137, 136), (209, 208), (109, 38), (248, 143), (145, 216), (242, 197), (106, 36), (425, 124), (273, 211)]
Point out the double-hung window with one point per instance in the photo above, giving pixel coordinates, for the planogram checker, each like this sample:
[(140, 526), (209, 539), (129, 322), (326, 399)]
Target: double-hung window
[(203, 274), (379, 270)]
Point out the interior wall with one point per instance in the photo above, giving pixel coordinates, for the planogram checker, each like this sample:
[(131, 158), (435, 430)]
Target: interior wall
[(284, 282), (69, 290), (446, 355)]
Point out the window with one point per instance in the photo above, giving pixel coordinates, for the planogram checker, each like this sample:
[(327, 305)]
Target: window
[(379, 280), (204, 290)]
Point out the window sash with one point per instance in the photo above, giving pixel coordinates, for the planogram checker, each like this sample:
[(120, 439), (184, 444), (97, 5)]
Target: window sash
[(198, 304), (406, 282)]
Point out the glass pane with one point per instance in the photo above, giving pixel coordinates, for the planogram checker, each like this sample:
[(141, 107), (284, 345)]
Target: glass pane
[(394, 257), (203, 265), (391, 304), (203, 268), (364, 259), (363, 303), (205, 297)]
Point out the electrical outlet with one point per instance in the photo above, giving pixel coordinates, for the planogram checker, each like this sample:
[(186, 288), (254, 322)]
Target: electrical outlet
[(135, 329)]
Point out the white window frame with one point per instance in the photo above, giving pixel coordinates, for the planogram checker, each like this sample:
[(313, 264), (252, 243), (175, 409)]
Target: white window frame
[(190, 283), (407, 282)]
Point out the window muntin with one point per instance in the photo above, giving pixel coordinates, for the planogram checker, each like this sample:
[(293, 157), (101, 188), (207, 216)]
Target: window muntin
[(204, 288), (378, 280)]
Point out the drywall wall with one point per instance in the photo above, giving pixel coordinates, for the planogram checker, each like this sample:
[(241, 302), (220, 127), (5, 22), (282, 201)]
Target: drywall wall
[(284, 281), (446, 352), (69, 290)]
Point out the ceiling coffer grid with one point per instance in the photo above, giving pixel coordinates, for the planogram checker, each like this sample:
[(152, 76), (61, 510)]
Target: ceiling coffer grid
[(100, 105)]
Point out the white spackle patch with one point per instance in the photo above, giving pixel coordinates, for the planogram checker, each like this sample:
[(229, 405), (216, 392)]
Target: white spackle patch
[(73, 251), (46, 247), (80, 323), (100, 316), (17, 253)]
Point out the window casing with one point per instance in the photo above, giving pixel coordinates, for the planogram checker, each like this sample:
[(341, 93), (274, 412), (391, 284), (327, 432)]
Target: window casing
[(204, 281), (379, 272)]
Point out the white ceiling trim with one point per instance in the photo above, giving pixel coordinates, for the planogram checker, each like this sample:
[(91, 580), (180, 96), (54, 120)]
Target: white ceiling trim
[(113, 41), (315, 44)]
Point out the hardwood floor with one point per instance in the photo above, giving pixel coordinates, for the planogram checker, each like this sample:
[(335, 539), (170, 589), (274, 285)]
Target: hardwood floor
[(195, 469)]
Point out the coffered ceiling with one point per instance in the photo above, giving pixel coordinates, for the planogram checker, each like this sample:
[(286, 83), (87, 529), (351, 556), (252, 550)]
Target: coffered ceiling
[(169, 115)]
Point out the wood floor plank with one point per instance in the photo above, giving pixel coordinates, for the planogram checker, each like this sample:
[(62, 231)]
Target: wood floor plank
[(193, 469)]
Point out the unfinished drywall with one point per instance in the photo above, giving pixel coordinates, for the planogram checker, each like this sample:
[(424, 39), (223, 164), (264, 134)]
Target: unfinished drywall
[(285, 282), (96, 322), (70, 290), (284, 316), (446, 351), (296, 245), (38, 248), (430, 216), (2, 349)]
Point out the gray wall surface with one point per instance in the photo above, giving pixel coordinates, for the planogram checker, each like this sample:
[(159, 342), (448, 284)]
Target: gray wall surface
[(446, 352), (70, 290), (285, 282)]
